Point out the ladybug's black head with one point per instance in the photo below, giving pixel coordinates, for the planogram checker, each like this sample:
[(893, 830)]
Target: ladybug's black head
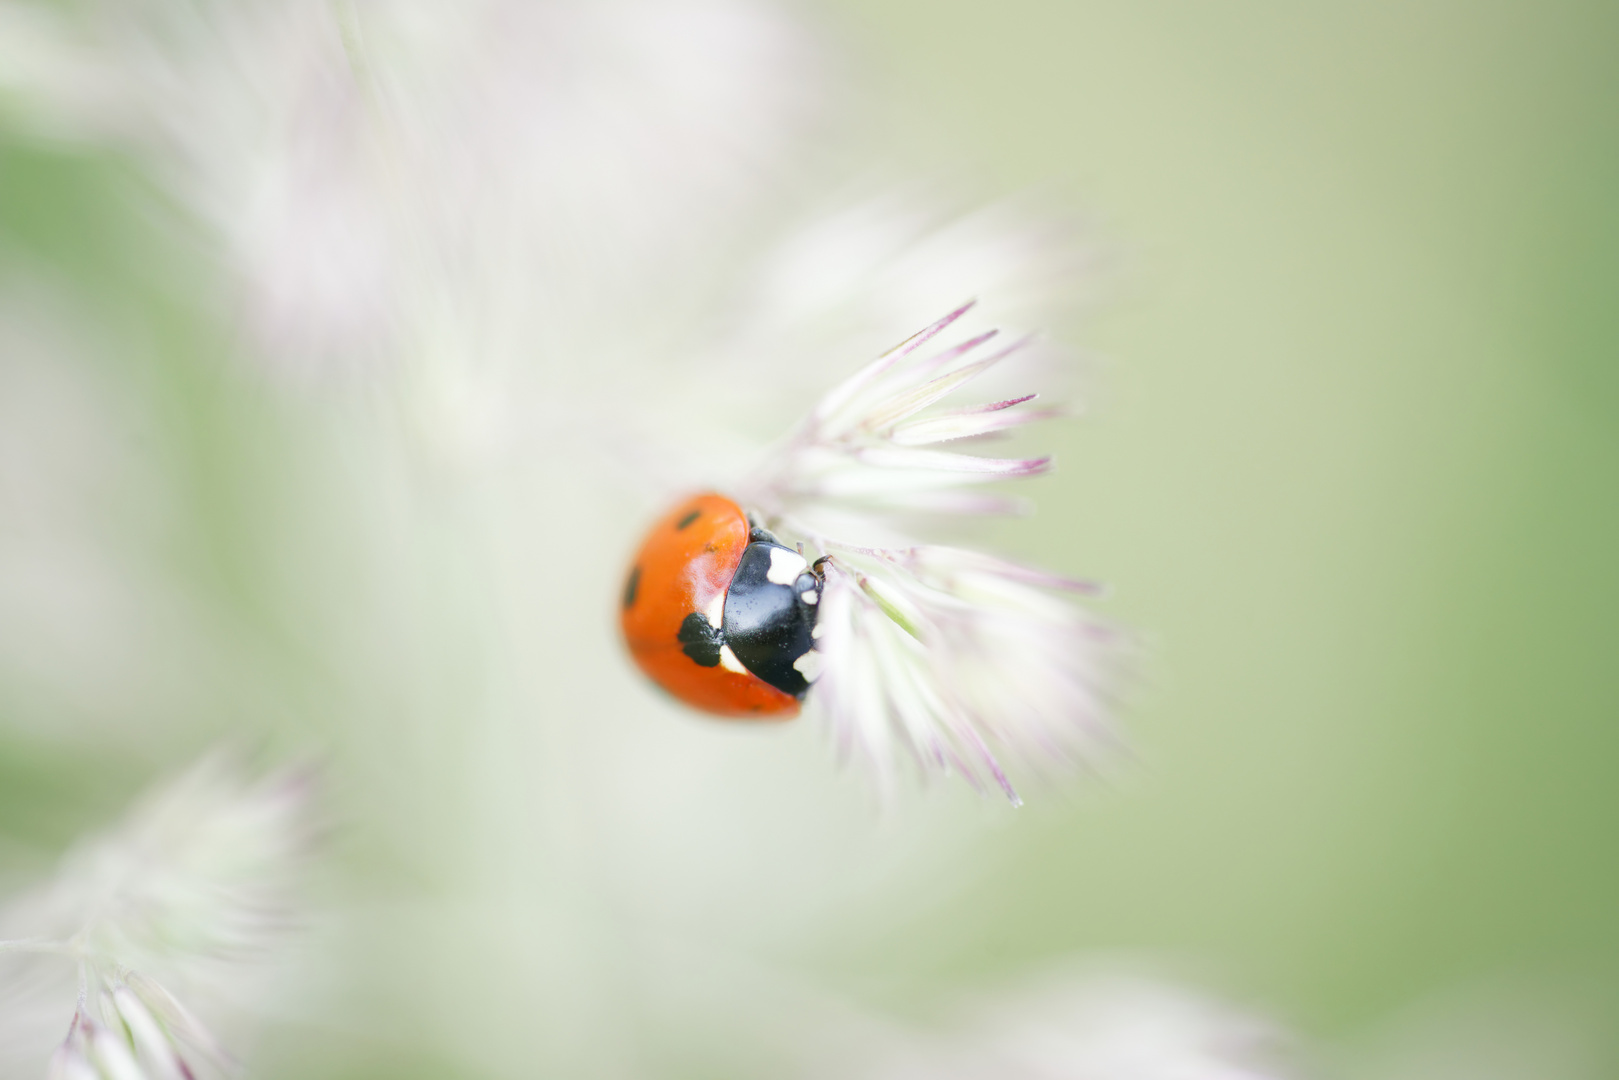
[(758, 534)]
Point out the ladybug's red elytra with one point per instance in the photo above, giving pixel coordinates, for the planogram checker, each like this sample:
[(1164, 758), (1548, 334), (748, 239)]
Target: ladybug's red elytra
[(720, 614)]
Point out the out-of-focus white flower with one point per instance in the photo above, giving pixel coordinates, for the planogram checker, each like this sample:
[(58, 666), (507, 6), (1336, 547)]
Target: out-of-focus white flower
[(1090, 1027), (933, 651), (471, 193), (856, 274), (142, 1033), (195, 881)]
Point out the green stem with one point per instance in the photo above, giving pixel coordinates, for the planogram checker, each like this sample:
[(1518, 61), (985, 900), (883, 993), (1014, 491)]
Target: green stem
[(887, 607)]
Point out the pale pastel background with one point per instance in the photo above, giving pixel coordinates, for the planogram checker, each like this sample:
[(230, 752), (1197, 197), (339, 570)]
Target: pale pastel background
[(1350, 465)]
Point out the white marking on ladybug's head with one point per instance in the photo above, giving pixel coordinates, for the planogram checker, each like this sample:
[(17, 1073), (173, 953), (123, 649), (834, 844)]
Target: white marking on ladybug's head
[(729, 662), (785, 566), (810, 596), (820, 628), (715, 611), (809, 665)]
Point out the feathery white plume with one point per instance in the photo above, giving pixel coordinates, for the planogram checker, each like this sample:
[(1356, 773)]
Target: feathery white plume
[(386, 182), (193, 883), (939, 653)]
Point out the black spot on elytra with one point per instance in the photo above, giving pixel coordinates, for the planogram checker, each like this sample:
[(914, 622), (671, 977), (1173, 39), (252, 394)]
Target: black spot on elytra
[(687, 520), (630, 586), (699, 640)]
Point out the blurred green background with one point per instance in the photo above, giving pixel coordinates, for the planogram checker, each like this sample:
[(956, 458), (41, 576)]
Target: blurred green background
[(1351, 468), (1355, 469)]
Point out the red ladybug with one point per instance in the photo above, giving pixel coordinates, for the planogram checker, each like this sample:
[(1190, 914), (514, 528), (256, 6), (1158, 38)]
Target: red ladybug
[(720, 614)]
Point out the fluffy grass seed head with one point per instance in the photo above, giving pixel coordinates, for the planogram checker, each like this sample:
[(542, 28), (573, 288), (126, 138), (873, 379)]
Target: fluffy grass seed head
[(946, 656), (195, 880)]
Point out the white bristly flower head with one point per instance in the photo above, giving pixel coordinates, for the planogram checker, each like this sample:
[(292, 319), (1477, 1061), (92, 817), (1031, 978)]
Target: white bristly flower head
[(134, 1029), (193, 882), (462, 187), (944, 655)]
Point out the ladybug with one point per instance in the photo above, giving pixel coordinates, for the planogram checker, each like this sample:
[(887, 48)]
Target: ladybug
[(721, 614)]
